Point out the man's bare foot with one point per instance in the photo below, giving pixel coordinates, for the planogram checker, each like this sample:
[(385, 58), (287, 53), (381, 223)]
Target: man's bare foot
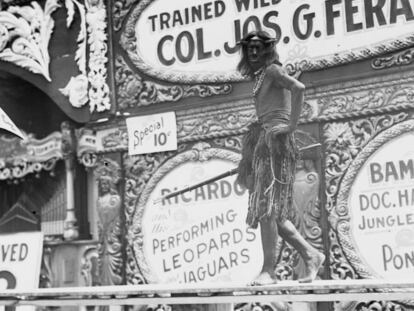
[(312, 266), (264, 278)]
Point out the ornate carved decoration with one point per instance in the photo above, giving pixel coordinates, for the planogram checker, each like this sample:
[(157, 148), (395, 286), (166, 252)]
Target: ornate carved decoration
[(133, 91), (216, 123), (86, 148), (46, 272), (138, 170), (351, 56), (272, 306), (345, 142), (76, 90), (98, 49), (108, 206), (89, 267), (77, 87), (119, 10), (378, 306), (90, 85), (361, 101), (397, 59), (24, 36), (19, 158)]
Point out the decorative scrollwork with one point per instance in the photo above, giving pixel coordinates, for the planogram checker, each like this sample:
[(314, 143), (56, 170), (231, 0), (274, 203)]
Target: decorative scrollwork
[(46, 272), (133, 91), (397, 59), (272, 306), (350, 56), (361, 101), (343, 142), (89, 267), (138, 170), (378, 306), (119, 10), (24, 36)]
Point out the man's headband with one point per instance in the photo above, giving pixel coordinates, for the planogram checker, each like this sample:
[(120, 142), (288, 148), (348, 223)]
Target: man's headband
[(256, 38)]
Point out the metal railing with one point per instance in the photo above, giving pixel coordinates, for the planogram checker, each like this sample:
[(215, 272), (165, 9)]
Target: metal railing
[(287, 291)]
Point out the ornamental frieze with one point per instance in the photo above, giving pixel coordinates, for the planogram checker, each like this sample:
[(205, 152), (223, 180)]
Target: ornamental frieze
[(19, 158), (355, 101), (231, 119), (133, 91), (25, 32), (403, 58)]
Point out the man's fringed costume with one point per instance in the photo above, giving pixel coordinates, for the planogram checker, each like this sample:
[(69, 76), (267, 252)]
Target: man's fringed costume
[(267, 169)]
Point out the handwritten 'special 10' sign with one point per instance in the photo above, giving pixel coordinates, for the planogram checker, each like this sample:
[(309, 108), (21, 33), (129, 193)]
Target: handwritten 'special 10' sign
[(195, 41)]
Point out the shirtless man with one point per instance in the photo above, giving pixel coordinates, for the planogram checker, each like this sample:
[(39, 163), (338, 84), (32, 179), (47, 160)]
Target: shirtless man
[(269, 155)]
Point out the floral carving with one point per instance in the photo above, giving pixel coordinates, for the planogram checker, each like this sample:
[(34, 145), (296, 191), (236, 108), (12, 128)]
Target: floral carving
[(90, 85), (77, 90), (133, 91), (24, 36), (119, 10), (98, 49)]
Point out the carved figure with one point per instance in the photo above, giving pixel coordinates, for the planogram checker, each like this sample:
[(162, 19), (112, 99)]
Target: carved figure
[(108, 206), (270, 153)]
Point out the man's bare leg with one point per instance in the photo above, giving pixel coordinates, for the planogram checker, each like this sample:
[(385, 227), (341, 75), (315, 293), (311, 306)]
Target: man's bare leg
[(268, 228), (313, 258)]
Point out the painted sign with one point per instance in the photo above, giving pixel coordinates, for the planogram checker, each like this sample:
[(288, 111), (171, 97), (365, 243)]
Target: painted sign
[(381, 204), (200, 236), (20, 258), (152, 133), (196, 41)]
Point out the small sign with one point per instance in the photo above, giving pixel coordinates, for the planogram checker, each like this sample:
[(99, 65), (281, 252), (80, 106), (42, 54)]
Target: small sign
[(152, 133), (20, 260)]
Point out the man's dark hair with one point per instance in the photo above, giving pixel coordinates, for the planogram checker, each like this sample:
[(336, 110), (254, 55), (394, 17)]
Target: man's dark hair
[(270, 55)]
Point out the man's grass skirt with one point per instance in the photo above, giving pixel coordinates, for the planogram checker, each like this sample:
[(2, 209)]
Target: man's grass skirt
[(267, 169)]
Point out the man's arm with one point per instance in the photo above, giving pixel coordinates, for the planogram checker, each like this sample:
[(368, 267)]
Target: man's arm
[(297, 90)]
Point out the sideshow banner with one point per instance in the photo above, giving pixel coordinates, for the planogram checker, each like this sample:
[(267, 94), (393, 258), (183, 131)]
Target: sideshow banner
[(201, 235), (183, 40), (381, 204)]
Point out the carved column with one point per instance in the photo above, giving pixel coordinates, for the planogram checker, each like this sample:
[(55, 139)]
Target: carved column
[(68, 149)]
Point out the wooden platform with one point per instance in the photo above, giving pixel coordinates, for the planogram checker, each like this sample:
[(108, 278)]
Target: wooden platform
[(289, 291)]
